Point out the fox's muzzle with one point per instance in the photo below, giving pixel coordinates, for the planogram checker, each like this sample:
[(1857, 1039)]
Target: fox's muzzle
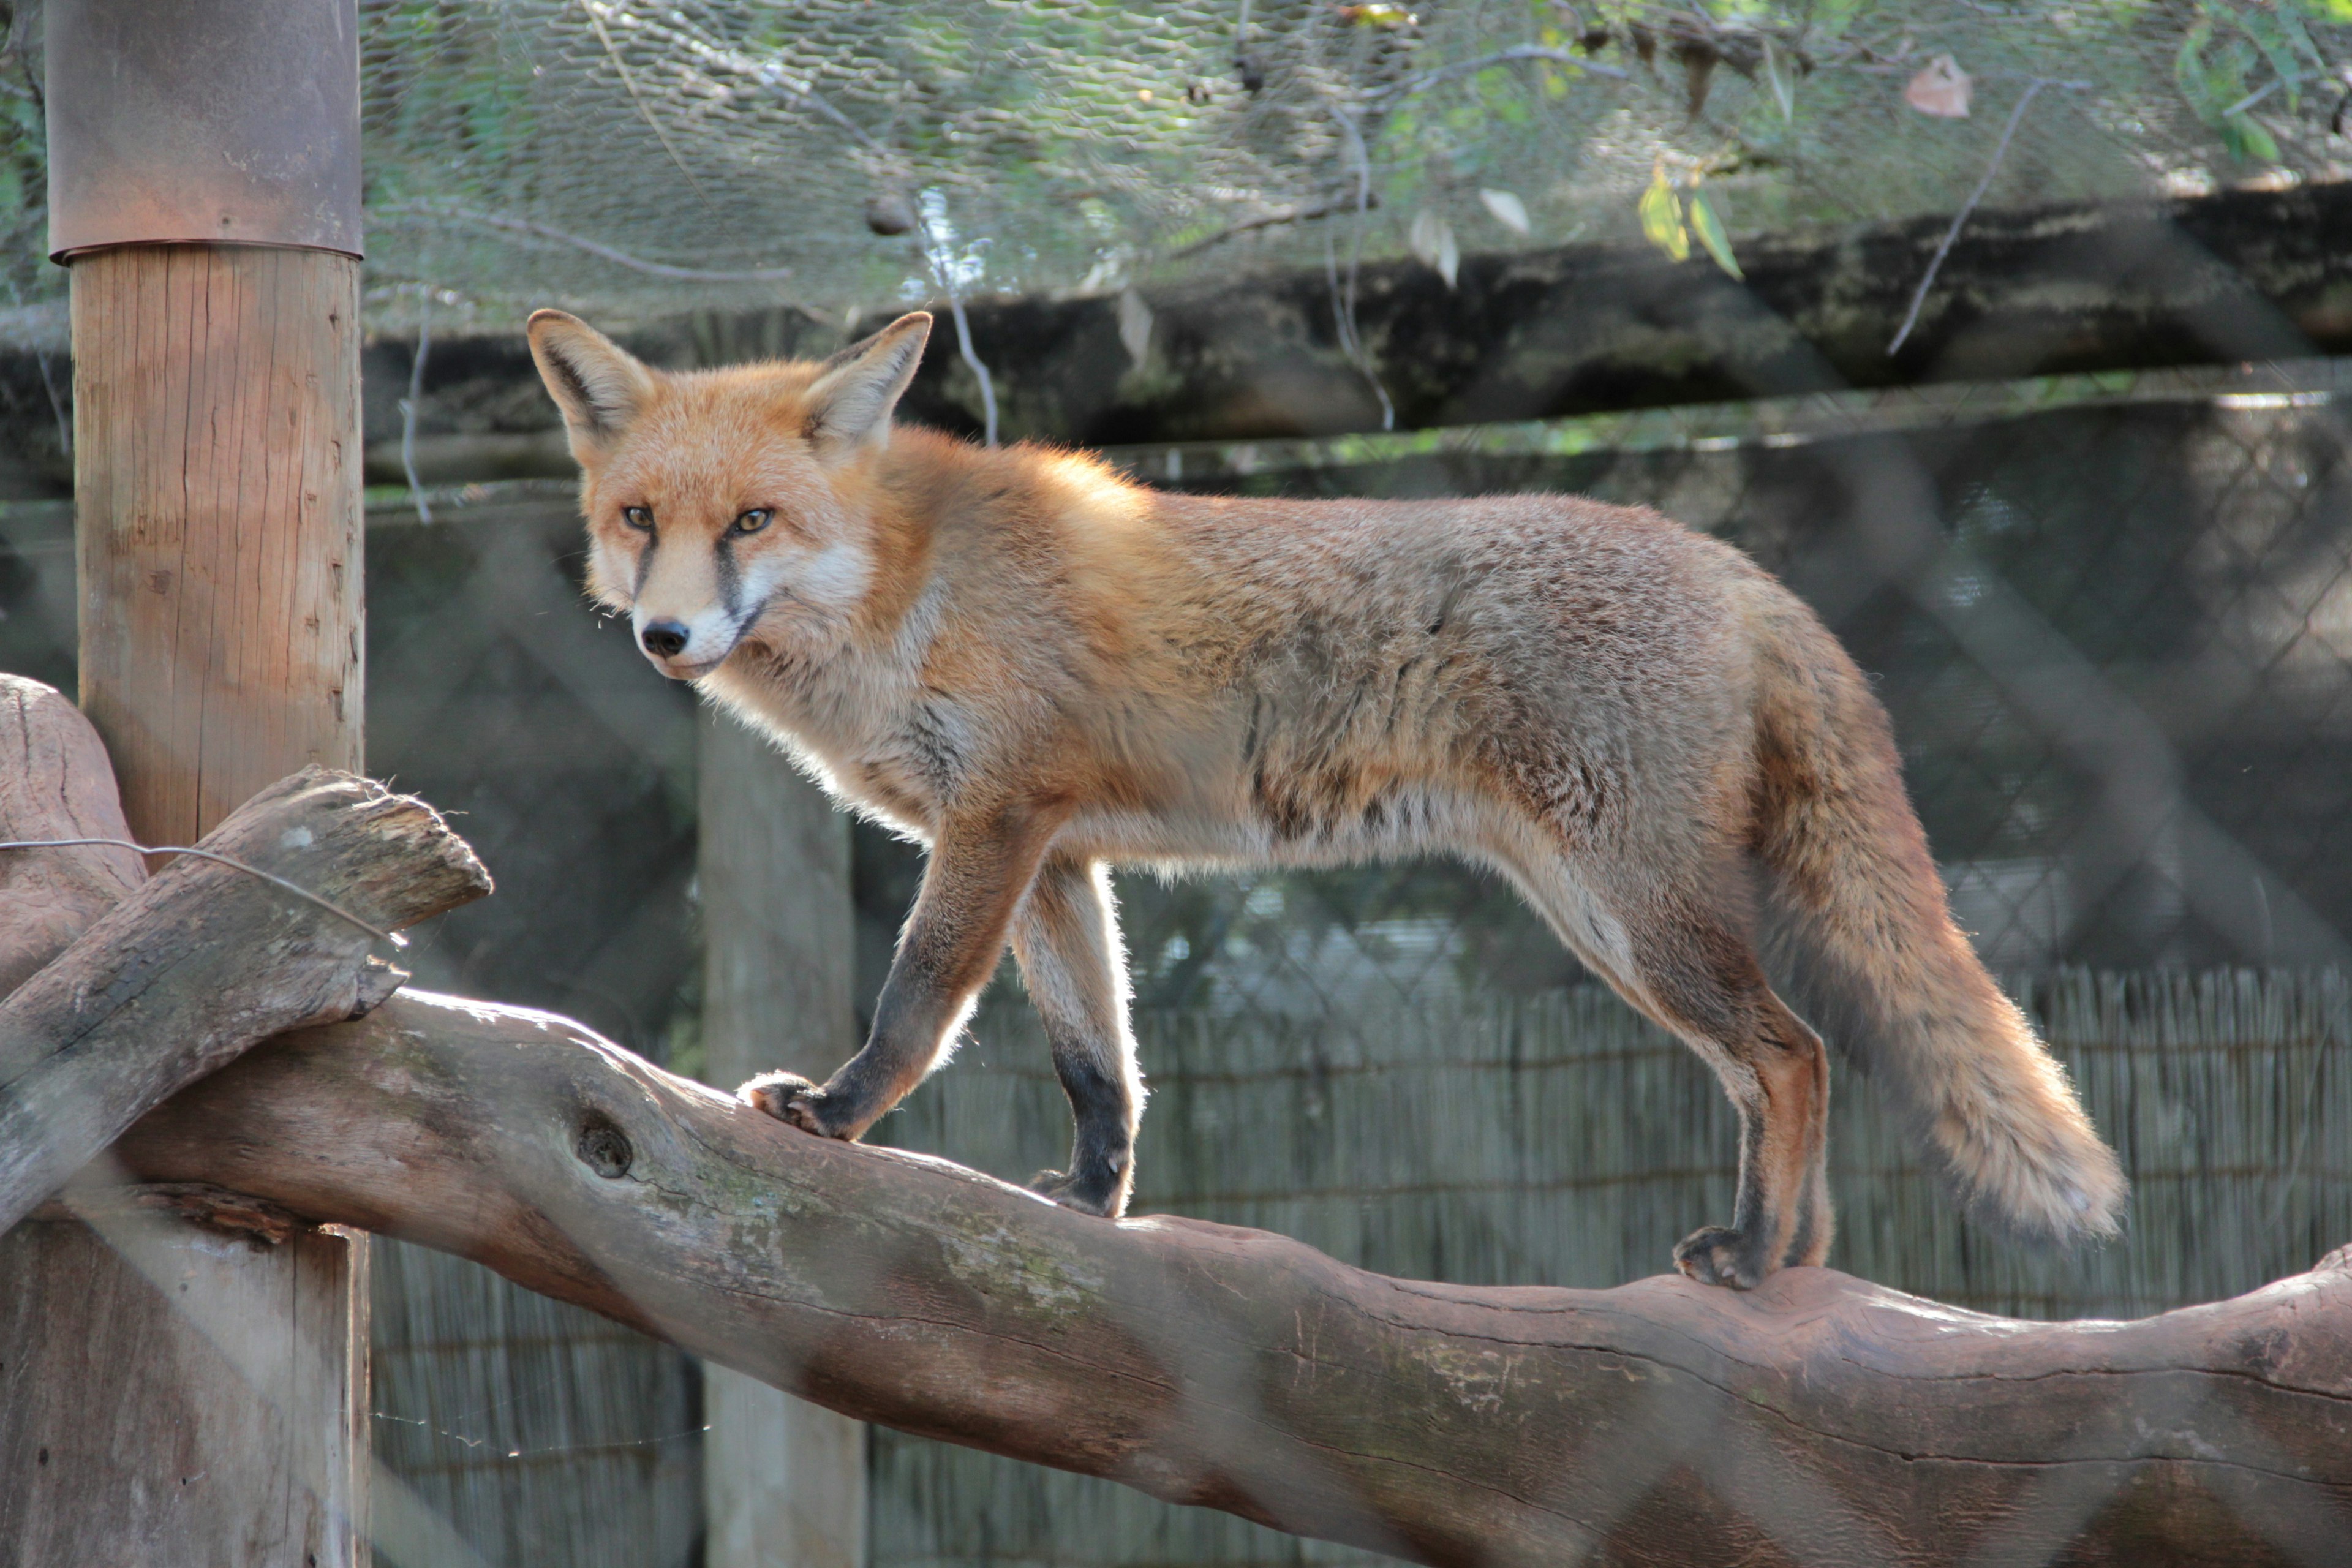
[(684, 650)]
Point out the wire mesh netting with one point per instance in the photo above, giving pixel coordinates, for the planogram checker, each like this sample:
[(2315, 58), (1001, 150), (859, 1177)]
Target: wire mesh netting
[(634, 158)]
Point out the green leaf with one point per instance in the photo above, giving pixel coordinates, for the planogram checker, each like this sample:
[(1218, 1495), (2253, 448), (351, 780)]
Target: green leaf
[(2243, 135), (1661, 216), (2290, 19), (1710, 229), (2263, 28), (2188, 71)]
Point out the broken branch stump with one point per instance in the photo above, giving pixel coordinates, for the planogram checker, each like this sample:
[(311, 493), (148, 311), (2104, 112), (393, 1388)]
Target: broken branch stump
[(1819, 1419), (202, 960)]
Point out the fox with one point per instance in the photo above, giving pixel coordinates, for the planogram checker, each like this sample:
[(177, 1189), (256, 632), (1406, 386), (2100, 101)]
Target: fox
[(1041, 670)]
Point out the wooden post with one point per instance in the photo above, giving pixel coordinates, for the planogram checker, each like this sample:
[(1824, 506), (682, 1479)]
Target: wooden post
[(187, 1399), (217, 397), (784, 1480)]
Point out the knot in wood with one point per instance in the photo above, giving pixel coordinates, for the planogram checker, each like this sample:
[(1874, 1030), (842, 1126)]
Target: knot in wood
[(603, 1147)]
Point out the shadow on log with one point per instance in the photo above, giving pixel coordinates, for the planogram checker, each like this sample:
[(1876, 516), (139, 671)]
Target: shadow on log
[(1820, 1419)]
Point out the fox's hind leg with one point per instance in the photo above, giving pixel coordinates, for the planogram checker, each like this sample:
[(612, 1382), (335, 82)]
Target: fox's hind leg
[(1709, 989), (1066, 934), (1678, 956), (1816, 1218)]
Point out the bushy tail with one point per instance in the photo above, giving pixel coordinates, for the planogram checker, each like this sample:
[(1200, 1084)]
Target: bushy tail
[(1856, 922)]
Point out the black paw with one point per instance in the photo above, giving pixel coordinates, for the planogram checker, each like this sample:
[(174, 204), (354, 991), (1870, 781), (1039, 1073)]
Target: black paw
[(1720, 1255), (787, 1097), (1086, 1197)]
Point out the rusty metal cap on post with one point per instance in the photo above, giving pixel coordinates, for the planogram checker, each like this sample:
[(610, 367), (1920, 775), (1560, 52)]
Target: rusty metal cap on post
[(228, 121)]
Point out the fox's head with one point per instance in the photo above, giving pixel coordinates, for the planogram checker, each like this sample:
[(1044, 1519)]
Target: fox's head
[(724, 503)]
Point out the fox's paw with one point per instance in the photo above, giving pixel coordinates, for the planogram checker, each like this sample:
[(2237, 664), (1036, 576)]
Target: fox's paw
[(1073, 1194), (789, 1096), (1721, 1255)]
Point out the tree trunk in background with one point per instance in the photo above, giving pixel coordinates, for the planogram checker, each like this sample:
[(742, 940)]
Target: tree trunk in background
[(784, 1479), (202, 1402)]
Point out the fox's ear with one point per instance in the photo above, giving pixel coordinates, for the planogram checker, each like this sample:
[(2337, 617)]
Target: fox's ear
[(599, 385), (851, 399)]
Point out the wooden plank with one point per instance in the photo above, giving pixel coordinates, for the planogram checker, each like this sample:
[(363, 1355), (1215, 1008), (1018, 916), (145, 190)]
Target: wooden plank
[(1543, 334), (218, 476), (784, 1480)]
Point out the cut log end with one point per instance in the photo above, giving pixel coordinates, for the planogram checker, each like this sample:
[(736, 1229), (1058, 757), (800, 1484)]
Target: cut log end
[(391, 859)]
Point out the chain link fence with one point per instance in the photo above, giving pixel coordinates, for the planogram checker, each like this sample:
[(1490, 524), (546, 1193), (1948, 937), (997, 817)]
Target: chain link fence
[(2110, 618)]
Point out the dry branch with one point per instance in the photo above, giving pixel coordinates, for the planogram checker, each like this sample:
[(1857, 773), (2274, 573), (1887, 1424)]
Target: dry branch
[(201, 960), (1820, 1419)]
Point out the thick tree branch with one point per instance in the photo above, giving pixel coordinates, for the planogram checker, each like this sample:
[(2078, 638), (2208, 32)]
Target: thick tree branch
[(1820, 1419)]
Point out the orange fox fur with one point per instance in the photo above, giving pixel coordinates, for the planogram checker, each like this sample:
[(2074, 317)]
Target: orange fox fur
[(1040, 671)]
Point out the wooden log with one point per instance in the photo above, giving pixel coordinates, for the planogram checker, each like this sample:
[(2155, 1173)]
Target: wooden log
[(784, 1480), (162, 1393), (55, 783), (248, 1430), (1819, 1419), (206, 960), (1251, 354)]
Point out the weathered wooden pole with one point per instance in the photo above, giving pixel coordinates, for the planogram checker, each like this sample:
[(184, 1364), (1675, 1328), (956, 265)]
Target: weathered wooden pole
[(783, 1480), (196, 1400)]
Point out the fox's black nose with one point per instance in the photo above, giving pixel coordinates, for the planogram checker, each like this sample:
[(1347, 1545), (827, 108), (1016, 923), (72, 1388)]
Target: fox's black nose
[(664, 639)]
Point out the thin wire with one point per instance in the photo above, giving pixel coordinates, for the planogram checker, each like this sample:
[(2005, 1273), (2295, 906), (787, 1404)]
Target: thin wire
[(299, 891)]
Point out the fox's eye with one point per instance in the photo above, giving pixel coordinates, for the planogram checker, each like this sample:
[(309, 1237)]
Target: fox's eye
[(752, 521), (638, 518)]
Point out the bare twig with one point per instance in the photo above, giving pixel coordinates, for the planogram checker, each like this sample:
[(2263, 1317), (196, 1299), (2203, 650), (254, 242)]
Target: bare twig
[(1343, 302), (1960, 218), (1307, 214), (618, 257), (629, 80), (1429, 79), (970, 356), (408, 407), (801, 91)]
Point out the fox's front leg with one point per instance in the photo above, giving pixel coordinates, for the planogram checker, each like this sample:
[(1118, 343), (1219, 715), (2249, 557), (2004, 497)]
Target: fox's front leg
[(1066, 934), (979, 866)]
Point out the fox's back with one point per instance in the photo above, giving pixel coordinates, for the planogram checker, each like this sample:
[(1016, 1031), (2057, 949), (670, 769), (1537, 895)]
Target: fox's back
[(1326, 679)]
